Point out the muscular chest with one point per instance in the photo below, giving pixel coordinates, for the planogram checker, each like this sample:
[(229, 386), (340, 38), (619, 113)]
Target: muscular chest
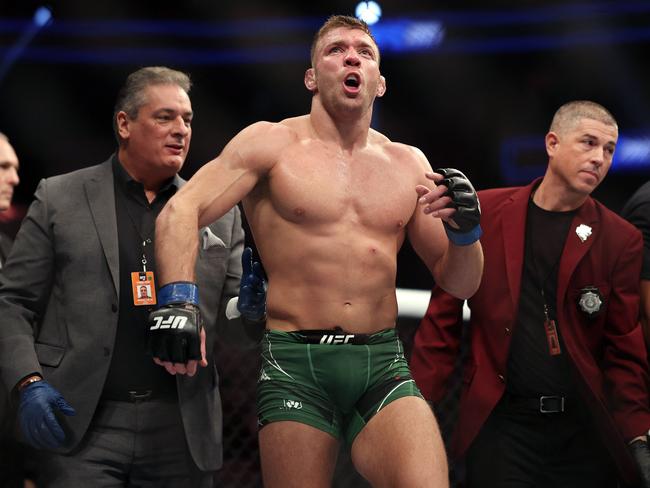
[(315, 184)]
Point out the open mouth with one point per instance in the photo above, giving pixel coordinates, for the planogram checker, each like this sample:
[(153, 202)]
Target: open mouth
[(352, 80)]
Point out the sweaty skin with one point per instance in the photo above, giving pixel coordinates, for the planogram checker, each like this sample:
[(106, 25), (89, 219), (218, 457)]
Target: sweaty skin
[(329, 201)]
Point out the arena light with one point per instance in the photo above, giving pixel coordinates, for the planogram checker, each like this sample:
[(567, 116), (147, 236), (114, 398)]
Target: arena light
[(406, 35), (42, 16), (369, 12), (632, 154), (426, 32)]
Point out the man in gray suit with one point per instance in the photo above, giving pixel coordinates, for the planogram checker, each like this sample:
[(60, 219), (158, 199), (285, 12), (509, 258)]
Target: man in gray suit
[(73, 332)]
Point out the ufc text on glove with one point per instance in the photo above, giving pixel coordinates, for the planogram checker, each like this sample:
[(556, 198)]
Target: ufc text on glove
[(175, 328)]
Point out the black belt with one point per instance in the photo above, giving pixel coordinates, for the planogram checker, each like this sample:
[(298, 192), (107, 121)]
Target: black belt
[(137, 396), (332, 337), (542, 404)]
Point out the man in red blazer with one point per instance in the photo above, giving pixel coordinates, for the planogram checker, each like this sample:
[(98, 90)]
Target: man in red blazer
[(555, 391)]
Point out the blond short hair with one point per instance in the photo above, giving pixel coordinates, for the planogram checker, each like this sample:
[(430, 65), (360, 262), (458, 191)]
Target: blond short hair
[(336, 21)]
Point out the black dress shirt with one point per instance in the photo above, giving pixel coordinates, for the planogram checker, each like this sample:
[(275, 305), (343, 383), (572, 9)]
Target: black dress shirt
[(132, 369)]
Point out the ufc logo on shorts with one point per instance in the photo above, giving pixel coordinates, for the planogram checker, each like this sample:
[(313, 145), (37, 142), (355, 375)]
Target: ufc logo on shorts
[(336, 338), (171, 322)]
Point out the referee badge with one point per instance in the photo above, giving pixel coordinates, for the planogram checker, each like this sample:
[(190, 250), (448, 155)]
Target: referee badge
[(591, 301)]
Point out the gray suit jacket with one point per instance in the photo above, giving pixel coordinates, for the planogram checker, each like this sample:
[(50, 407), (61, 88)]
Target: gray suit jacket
[(59, 303), (5, 247)]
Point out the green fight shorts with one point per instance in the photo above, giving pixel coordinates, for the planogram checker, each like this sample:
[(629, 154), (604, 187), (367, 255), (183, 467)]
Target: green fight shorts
[(330, 379)]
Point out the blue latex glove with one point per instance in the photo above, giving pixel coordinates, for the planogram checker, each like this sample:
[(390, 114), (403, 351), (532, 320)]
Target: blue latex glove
[(252, 289), (37, 421)]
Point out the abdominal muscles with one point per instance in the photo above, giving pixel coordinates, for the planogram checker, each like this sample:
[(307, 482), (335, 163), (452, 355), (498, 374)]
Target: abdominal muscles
[(342, 278)]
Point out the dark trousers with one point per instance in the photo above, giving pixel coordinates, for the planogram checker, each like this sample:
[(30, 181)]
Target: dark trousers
[(138, 444), (18, 461), (520, 447)]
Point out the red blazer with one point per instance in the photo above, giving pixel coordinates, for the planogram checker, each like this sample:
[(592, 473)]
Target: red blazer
[(607, 351)]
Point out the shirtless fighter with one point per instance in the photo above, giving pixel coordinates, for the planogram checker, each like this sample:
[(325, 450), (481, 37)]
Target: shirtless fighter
[(330, 202)]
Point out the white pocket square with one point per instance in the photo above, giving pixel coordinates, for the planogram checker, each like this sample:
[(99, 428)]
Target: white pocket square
[(210, 240)]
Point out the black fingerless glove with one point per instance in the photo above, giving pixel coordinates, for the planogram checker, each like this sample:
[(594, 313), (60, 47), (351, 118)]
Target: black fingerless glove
[(174, 329), (465, 201)]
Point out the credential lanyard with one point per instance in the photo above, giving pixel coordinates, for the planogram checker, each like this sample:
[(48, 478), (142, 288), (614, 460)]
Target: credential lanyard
[(143, 283), (552, 336)]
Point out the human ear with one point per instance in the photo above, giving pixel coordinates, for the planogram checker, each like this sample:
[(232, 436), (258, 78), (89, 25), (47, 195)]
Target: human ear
[(310, 79), (552, 141), (381, 86), (122, 124)]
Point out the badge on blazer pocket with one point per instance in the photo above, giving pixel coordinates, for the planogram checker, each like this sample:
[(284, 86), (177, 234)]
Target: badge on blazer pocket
[(591, 301)]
